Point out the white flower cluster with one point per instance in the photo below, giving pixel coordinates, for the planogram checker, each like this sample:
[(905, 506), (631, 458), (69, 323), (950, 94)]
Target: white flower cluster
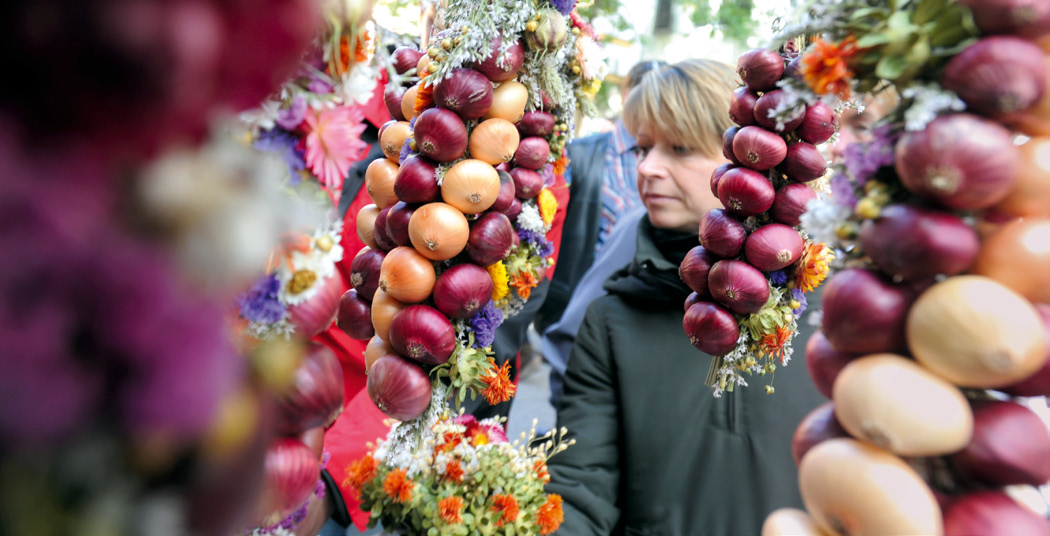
[(401, 447), (530, 218), (927, 102), (728, 376), (822, 218), (476, 23)]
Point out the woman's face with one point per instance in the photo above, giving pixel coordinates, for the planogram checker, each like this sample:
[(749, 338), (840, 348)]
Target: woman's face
[(674, 182)]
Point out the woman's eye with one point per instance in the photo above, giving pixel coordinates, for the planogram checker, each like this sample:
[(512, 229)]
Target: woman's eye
[(641, 150), (679, 150)]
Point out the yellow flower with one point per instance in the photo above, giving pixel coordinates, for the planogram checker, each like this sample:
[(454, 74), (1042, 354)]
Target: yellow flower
[(548, 206), (498, 273), (813, 266), (592, 86)]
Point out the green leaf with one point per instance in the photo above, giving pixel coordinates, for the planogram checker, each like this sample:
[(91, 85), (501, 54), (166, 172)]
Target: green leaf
[(891, 67), (928, 10), (873, 39), (900, 23)]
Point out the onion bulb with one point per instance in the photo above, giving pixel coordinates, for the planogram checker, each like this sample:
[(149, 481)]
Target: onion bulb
[(864, 312), (738, 286), (383, 310), (466, 92), (355, 316), (1010, 445), (491, 238), (816, 427), (364, 271), (393, 140), (710, 328), (494, 141), (471, 186), (1018, 256), (992, 512), (379, 182), (423, 334), (366, 225), (462, 289), (915, 243), (408, 100), (790, 522), (292, 473), (375, 349), (508, 101), (316, 396), (440, 135), (760, 69), (773, 246), (406, 275), (1030, 195), (438, 231), (398, 387)]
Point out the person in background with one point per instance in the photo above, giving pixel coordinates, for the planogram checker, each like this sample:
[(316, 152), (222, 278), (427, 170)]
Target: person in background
[(656, 452), (602, 181)]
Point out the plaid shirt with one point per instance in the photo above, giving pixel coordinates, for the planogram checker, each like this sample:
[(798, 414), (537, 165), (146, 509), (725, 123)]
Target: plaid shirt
[(620, 189)]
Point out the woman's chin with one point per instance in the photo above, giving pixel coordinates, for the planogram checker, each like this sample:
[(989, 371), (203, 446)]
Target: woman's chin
[(662, 220)]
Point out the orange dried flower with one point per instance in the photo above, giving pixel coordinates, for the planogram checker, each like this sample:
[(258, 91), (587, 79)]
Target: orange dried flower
[(454, 471), (814, 266), (774, 343), (398, 486), (360, 472), (550, 515), (560, 165), (523, 282), (826, 68), (498, 387), (450, 441), (360, 50), (541, 470), (508, 506), (449, 508), (424, 98)]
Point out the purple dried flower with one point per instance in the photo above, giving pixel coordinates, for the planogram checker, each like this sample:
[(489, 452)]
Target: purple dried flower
[(286, 145), (260, 303), (800, 297), (842, 191), (291, 117), (547, 172), (564, 6), (485, 322), (778, 277), (406, 151)]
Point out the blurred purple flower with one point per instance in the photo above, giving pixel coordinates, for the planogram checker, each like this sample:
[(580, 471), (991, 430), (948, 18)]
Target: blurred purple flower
[(863, 160), (485, 322), (260, 303), (286, 145), (799, 296), (778, 277), (406, 151), (564, 6), (842, 193), (291, 117), (547, 172)]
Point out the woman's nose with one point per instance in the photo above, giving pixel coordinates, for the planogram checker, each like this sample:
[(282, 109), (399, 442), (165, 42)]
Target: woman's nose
[(649, 164)]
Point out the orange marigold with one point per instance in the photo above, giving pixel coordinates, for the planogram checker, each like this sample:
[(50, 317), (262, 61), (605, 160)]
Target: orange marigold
[(774, 343), (398, 486), (560, 165), (454, 471), (550, 515), (449, 508), (826, 68), (541, 470), (498, 387), (508, 506), (450, 441), (523, 282), (360, 472), (424, 98)]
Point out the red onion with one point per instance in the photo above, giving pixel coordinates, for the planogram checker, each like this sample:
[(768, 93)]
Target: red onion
[(692, 299), (864, 313), (727, 144), (695, 268), (992, 513), (915, 243), (466, 92), (816, 427), (1027, 18), (416, 181), (758, 148), (818, 124), (316, 314), (760, 69), (501, 69), (716, 176), (405, 59), (527, 183), (355, 316), (793, 69), (422, 333), (1037, 384), (824, 362), (722, 234), (769, 102), (710, 328), (440, 135), (506, 192), (998, 76), (790, 203), (773, 246), (745, 192), (316, 396), (292, 473), (512, 212), (803, 162), (742, 106), (491, 238), (532, 153), (1010, 445), (462, 290), (392, 96), (398, 387), (383, 239), (397, 222), (536, 123), (960, 160), (364, 272), (738, 286)]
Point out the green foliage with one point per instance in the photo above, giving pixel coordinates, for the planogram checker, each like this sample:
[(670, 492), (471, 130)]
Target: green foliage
[(733, 18)]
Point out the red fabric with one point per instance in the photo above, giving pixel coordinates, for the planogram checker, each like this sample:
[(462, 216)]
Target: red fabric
[(375, 109), (561, 193)]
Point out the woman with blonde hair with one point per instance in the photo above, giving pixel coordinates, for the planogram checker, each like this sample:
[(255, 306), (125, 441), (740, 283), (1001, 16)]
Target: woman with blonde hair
[(655, 452)]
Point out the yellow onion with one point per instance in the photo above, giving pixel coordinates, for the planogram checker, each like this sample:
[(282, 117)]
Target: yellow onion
[(471, 186), (1018, 256), (393, 139), (494, 141), (379, 181), (438, 231), (406, 275), (508, 101)]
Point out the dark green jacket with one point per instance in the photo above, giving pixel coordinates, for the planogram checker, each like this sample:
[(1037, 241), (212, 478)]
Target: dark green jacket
[(656, 453)]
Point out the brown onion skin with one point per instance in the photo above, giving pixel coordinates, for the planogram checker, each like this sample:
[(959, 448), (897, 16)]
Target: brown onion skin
[(506, 192), (803, 162), (727, 144), (513, 58), (738, 286), (769, 101), (466, 92), (721, 234), (532, 153), (355, 316), (398, 387), (758, 148), (864, 313), (961, 161), (745, 192), (819, 124), (405, 58), (536, 123), (695, 268), (789, 204), (742, 106), (760, 69), (1026, 18), (364, 272), (491, 238), (397, 222), (1010, 445), (417, 180), (816, 427), (527, 182), (710, 328), (824, 362), (997, 76), (1037, 384), (462, 289), (991, 513), (773, 246), (392, 96), (316, 396), (916, 243), (440, 135), (422, 333)]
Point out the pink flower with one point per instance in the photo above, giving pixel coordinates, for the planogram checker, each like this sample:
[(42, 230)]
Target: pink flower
[(333, 142)]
